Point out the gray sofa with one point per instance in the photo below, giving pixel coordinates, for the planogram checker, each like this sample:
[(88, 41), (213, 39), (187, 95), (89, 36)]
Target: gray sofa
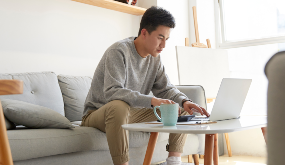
[(275, 72), (79, 145)]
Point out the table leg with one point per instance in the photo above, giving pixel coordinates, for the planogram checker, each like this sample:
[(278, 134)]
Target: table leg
[(189, 158), (263, 129), (228, 144), (150, 148), (196, 159), (216, 151), (209, 142), (5, 151)]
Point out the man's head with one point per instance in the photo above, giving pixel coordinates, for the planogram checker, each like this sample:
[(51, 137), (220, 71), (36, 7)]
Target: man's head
[(154, 17), (155, 29)]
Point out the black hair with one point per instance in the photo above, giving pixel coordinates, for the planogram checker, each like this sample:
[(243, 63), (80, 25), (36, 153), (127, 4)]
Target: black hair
[(154, 17)]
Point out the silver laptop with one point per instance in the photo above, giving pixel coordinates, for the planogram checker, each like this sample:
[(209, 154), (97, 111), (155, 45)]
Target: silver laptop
[(229, 101)]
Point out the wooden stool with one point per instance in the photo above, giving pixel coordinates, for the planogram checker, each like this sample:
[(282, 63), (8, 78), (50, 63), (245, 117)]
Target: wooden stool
[(7, 87)]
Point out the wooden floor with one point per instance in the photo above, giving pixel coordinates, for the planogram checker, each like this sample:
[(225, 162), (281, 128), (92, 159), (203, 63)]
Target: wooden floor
[(234, 160)]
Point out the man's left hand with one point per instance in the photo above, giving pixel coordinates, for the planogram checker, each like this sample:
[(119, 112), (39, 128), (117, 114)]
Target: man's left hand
[(192, 107)]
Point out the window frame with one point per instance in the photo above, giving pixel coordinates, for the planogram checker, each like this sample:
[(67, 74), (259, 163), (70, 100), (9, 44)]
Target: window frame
[(221, 43)]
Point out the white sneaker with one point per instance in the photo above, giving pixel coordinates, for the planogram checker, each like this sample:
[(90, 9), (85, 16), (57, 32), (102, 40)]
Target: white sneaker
[(182, 163)]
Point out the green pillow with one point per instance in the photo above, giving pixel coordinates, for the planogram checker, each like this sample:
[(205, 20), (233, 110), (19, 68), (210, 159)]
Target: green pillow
[(33, 116)]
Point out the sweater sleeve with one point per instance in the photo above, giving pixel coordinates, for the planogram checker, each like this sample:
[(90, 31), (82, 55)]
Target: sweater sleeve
[(162, 87), (114, 82)]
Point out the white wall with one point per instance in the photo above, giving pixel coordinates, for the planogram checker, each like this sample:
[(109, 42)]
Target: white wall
[(179, 10), (68, 37), (63, 36)]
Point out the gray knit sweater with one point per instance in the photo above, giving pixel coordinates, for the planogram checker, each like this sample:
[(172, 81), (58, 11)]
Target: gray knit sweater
[(122, 74)]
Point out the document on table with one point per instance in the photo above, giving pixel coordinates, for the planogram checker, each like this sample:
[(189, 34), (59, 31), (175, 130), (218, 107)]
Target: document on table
[(186, 123)]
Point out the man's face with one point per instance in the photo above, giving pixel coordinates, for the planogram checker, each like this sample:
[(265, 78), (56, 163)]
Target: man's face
[(155, 42)]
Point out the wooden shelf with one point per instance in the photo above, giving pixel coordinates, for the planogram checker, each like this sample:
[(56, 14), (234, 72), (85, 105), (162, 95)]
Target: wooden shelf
[(114, 5)]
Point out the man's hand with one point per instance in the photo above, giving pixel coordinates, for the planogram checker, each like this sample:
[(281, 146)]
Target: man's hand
[(157, 101), (192, 107)]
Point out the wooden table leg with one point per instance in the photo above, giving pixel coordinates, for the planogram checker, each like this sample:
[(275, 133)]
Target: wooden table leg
[(7, 87), (150, 148), (263, 129), (209, 142), (228, 144), (196, 159), (5, 151), (189, 158), (216, 151)]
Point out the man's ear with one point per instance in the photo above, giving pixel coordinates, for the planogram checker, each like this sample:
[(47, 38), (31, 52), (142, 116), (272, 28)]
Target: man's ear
[(144, 33)]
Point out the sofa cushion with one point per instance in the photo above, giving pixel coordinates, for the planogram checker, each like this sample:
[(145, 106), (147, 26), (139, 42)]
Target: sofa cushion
[(9, 124), (33, 116), (5, 77), (40, 88), (47, 142), (74, 91)]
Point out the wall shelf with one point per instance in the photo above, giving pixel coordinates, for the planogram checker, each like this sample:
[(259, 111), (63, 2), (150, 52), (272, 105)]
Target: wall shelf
[(114, 5)]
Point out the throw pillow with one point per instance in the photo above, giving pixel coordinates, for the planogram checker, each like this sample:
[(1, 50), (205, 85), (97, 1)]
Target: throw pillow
[(9, 124), (33, 116)]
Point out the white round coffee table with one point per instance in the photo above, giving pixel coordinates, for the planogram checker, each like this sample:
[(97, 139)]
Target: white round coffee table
[(210, 130)]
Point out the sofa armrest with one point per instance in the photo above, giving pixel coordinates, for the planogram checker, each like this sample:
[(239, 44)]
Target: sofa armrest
[(194, 92)]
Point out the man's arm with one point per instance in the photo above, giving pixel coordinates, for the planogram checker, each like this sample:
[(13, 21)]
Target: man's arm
[(162, 87), (114, 82)]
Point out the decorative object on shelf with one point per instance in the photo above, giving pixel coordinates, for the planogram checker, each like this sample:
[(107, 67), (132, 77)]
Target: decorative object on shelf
[(130, 2), (115, 5), (134, 2)]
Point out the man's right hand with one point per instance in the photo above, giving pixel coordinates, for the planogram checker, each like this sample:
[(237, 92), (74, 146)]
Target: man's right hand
[(157, 101)]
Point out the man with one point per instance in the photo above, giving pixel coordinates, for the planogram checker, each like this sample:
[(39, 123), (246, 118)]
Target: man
[(127, 72)]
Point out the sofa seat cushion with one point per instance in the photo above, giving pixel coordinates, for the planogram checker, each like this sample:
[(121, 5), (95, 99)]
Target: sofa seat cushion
[(137, 139), (34, 143)]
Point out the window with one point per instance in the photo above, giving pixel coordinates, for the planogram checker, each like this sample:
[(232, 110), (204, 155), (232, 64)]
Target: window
[(250, 22), (252, 31)]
